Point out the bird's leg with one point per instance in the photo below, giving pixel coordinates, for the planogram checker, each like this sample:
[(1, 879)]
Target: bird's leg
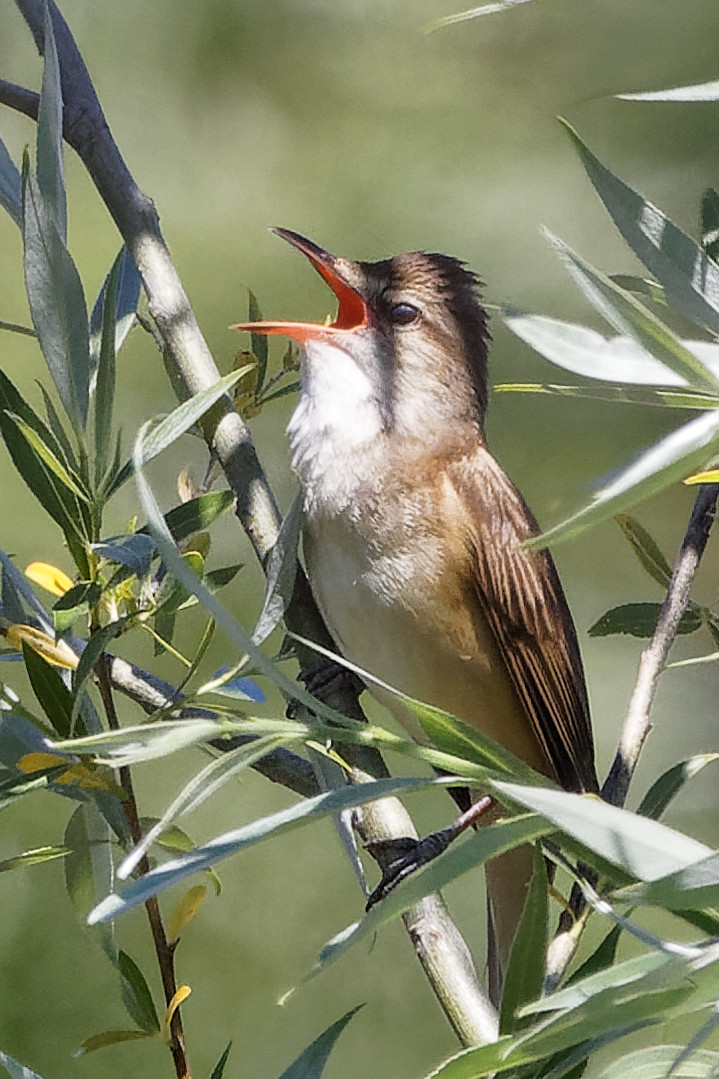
[(398, 858), (325, 675)]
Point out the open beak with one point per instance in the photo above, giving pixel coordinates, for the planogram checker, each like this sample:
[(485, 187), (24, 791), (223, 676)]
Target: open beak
[(352, 312)]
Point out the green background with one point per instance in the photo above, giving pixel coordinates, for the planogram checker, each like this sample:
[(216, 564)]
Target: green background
[(342, 120)]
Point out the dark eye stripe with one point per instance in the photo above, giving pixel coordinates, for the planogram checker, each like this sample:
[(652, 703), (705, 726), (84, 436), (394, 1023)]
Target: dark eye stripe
[(404, 313)]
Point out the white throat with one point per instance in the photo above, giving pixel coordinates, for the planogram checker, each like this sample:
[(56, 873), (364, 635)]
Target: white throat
[(335, 423)]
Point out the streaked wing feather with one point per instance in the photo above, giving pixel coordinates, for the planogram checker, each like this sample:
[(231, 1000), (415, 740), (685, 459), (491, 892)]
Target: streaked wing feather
[(522, 598)]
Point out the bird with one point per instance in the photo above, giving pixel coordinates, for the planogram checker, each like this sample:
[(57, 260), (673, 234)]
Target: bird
[(413, 534)]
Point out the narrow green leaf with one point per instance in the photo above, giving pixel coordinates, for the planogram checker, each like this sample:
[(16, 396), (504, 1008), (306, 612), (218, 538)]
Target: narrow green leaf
[(641, 992), (105, 384), (185, 415), (694, 886), (703, 91), (689, 277), (135, 550), (525, 973), (94, 648), (197, 514), (199, 789), (131, 745), (57, 303), (33, 857), (645, 548), (452, 735), (48, 458), (12, 401), (50, 168), (89, 869), (630, 360), (573, 1061), (219, 1069), (311, 1063), (223, 846), (641, 285), (640, 620), (64, 450), (10, 186), (110, 1037), (629, 316), (112, 480), (687, 1052), (13, 788), (172, 595), (218, 578), (13, 579), (258, 342), (76, 602), (136, 994), (281, 572), (129, 286), (283, 391), (54, 498), (663, 791), (15, 1070), (656, 1062), (625, 395), (664, 463), (53, 695), (643, 848)]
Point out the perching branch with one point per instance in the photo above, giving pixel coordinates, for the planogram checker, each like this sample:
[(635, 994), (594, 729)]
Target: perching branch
[(85, 129)]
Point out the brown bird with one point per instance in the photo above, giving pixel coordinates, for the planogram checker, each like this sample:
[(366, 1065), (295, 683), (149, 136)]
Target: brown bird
[(413, 532)]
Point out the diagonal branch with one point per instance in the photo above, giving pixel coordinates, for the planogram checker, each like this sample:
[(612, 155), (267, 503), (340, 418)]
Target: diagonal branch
[(637, 724), (86, 130), (654, 657)]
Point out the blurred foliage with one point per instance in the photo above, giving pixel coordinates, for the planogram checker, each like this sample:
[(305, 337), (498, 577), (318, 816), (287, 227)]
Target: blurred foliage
[(347, 122)]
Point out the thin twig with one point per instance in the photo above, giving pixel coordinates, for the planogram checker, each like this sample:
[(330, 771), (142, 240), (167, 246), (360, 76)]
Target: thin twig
[(85, 129), (637, 724), (653, 660), (163, 950)]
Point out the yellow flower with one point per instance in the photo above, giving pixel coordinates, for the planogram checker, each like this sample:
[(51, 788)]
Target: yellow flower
[(703, 477), (49, 577), (57, 653)]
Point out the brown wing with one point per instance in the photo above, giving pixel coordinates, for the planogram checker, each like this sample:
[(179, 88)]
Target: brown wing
[(522, 598)]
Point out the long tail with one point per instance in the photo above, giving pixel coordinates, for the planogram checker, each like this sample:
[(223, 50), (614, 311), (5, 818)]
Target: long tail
[(508, 879)]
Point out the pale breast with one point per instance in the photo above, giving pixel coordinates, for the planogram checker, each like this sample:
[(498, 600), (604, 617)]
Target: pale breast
[(392, 588)]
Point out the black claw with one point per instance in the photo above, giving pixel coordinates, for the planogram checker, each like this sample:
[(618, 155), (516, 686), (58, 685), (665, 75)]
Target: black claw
[(407, 855)]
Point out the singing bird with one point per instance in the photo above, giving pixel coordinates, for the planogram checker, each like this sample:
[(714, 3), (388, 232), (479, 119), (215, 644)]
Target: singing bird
[(413, 533)]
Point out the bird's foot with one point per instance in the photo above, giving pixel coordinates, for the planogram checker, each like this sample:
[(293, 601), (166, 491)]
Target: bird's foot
[(401, 857), (325, 678)]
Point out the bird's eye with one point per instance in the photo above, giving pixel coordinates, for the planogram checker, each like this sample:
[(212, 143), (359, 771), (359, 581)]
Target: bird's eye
[(404, 313)]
